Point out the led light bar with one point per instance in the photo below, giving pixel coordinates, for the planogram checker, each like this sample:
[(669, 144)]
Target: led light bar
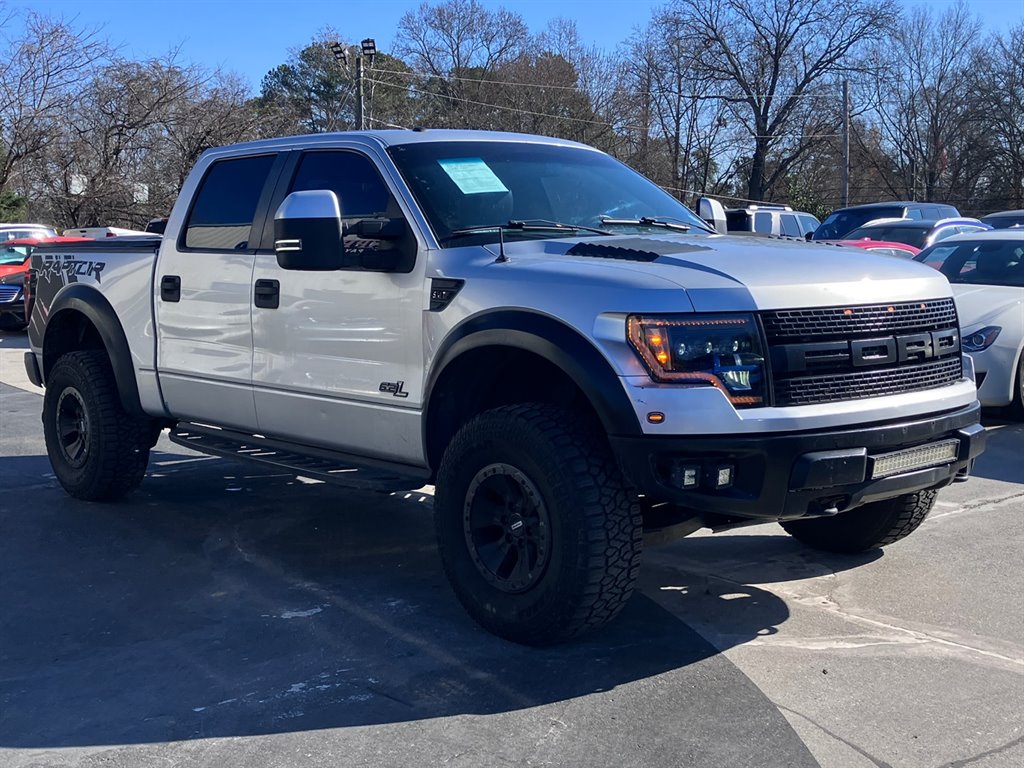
[(910, 459)]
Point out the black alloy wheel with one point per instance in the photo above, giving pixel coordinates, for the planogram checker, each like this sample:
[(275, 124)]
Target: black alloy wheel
[(507, 528), (72, 428)]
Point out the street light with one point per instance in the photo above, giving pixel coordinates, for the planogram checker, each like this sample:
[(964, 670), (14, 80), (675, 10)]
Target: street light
[(367, 50)]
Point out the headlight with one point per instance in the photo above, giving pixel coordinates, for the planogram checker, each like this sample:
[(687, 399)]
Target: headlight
[(981, 339), (722, 351)]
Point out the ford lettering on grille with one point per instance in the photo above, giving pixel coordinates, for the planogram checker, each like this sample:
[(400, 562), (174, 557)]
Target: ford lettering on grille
[(832, 354), (860, 353)]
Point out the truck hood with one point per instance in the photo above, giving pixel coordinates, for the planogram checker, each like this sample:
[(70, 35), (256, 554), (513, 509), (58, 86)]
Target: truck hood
[(720, 272)]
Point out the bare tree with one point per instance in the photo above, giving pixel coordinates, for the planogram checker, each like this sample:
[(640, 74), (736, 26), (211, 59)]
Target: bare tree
[(129, 138), (682, 139), (770, 58), (923, 105), (997, 80), (459, 45), (43, 67)]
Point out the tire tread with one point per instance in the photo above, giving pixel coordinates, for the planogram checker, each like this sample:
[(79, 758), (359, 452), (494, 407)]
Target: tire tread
[(123, 440), (611, 535)]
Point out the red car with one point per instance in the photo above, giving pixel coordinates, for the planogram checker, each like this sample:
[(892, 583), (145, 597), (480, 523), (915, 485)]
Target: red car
[(881, 246), (14, 258)]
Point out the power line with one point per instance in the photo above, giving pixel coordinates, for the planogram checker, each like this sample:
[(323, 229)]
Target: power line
[(518, 110), (491, 81)]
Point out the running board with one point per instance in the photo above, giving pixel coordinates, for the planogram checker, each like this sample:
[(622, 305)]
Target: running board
[(317, 463)]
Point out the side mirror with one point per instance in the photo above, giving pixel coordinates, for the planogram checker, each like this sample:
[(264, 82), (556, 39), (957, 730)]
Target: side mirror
[(713, 213), (808, 236), (307, 232)]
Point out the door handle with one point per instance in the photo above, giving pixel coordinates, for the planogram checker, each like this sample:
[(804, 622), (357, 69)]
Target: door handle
[(267, 294), (170, 288)]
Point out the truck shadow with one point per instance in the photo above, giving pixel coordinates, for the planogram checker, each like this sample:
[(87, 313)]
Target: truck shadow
[(219, 600), (1002, 457)]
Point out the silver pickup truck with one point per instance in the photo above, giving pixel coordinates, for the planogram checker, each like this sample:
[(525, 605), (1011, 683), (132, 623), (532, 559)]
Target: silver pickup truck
[(569, 353)]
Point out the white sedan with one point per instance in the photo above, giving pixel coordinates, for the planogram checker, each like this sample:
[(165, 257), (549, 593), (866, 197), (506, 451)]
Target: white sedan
[(986, 270)]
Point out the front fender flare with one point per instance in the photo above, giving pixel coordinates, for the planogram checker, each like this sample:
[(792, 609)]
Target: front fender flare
[(552, 340)]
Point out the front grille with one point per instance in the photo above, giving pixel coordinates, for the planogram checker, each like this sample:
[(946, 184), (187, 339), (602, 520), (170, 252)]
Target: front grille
[(807, 390), (9, 293), (828, 374), (844, 322)]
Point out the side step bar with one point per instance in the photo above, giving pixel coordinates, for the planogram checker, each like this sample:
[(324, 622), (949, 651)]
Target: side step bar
[(320, 464)]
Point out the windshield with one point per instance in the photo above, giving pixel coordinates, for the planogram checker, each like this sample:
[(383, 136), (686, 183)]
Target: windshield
[(914, 236), (840, 223), (460, 185), (1005, 221), (992, 262), (13, 254)]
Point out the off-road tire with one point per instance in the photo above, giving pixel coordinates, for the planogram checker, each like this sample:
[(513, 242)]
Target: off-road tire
[(871, 526), (112, 448), (594, 534)]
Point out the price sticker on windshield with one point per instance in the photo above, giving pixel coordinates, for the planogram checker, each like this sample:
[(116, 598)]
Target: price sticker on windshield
[(472, 175)]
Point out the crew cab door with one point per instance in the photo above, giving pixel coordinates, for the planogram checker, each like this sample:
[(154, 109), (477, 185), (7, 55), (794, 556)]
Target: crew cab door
[(203, 287), (338, 355)]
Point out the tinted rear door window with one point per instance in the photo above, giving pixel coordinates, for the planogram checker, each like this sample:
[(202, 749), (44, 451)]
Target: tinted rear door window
[(763, 222), (790, 226), (225, 205)]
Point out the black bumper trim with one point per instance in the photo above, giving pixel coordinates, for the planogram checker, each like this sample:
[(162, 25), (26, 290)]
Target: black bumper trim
[(794, 474)]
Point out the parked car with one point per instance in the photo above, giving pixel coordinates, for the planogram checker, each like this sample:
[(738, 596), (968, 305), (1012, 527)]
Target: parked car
[(841, 222), (18, 231), (1004, 219), (775, 220), (986, 271), (14, 262), (156, 226), (919, 234), (880, 246)]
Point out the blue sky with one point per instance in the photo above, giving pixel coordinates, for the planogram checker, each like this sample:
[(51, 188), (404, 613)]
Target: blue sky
[(251, 37)]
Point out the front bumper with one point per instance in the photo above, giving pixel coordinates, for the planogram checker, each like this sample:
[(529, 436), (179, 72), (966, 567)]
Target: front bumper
[(13, 310), (790, 475)]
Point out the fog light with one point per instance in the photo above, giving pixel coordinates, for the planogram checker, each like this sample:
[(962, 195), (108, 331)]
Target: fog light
[(722, 475), (686, 475)]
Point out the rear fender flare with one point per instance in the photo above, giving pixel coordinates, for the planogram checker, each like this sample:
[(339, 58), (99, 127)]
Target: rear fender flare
[(94, 306)]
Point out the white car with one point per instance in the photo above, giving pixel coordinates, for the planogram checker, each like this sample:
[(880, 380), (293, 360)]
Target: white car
[(986, 270), (18, 231)]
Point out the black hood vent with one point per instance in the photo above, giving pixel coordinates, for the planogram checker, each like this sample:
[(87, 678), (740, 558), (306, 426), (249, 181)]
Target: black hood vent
[(633, 249)]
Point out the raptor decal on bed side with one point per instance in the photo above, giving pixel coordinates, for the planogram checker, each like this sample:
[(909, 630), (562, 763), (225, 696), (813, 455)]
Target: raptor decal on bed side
[(67, 267)]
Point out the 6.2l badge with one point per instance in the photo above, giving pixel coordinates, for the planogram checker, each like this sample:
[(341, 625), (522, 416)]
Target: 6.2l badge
[(396, 388)]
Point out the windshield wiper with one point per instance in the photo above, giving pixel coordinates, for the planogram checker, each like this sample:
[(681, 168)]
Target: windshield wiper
[(516, 225), (646, 221), (527, 225)]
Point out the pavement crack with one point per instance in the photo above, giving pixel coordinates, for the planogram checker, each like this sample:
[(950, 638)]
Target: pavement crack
[(983, 755), (863, 753), (973, 506)]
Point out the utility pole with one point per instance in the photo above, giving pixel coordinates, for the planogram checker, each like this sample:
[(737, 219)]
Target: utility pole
[(846, 144), (360, 123), (367, 49)]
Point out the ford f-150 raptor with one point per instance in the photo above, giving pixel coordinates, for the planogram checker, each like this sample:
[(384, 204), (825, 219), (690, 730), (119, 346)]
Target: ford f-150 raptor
[(569, 353)]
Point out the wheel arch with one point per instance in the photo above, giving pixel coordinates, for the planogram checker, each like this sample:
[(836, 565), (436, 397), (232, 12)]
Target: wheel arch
[(82, 318), (483, 360)]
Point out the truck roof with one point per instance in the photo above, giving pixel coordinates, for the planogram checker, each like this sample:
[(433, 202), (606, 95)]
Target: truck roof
[(396, 136)]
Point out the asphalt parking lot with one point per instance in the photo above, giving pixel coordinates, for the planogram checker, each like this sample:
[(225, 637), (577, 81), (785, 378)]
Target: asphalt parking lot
[(226, 615)]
